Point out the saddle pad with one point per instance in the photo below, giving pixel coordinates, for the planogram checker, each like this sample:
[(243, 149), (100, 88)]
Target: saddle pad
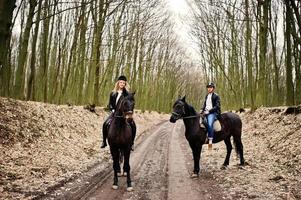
[(201, 123), (217, 126)]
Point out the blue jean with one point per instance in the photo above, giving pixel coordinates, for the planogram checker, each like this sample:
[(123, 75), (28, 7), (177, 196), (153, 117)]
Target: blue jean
[(210, 119)]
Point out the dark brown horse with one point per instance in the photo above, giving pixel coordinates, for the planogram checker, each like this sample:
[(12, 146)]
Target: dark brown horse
[(196, 135), (120, 138)]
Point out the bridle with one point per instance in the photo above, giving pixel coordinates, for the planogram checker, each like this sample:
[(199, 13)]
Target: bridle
[(187, 117), (124, 115)]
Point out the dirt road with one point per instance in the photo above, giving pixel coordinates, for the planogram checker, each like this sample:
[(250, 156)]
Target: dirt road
[(55, 154), (162, 163), (161, 167)]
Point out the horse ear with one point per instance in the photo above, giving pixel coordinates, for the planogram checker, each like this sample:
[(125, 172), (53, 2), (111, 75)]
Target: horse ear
[(184, 98), (179, 97)]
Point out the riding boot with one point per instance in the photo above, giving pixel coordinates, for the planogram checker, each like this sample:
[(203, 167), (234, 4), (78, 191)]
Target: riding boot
[(133, 127), (210, 144), (104, 134)]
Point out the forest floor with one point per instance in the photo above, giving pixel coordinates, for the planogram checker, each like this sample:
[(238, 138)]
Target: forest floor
[(46, 150)]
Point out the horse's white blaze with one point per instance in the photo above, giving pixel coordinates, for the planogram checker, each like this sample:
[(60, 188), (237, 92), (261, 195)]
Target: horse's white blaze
[(115, 187), (129, 189)]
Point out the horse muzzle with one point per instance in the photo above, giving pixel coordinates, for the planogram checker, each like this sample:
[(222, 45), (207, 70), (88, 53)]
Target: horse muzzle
[(129, 115), (172, 119)]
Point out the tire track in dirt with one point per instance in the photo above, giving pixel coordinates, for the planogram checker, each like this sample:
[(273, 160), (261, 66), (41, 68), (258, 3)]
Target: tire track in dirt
[(180, 185)]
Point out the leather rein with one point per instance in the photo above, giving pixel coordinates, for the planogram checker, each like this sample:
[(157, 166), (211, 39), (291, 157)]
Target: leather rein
[(188, 117)]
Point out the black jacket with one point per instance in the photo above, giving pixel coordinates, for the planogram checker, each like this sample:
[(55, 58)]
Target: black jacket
[(112, 101), (216, 104)]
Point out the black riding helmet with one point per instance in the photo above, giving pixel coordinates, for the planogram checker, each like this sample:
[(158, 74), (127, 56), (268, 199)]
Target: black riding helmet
[(211, 85), (122, 78)]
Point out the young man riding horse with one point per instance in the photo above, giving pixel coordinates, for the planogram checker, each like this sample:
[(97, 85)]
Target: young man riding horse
[(121, 89), (231, 126), (212, 110)]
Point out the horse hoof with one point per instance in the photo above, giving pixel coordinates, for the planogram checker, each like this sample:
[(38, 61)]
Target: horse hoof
[(129, 189), (125, 174), (119, 174), (115, 187), (194, 176), (241, 167), (224, 167)]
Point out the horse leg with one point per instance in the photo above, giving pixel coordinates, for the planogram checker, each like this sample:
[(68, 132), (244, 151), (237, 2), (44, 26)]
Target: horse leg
[(116, 166), (196, 152), (240, 150), (127, 168), (229, 149)]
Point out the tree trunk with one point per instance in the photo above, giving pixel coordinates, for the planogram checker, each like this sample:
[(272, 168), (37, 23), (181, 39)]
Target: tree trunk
[(44, 53), (21, 69), (103, 5), (249, 61), (6, 14), (289, 67), (32, 75), (263, 38)]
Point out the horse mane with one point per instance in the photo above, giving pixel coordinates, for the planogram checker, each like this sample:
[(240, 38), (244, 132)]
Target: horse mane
[(120, 121), (190, 109), (130, 97)]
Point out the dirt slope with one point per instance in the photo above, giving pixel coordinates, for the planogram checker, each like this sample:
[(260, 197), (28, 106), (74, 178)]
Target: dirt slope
[(272, 146), (43, 144)]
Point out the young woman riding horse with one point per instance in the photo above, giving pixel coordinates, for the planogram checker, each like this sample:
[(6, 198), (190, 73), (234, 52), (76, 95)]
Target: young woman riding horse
[(120, 128), (120, 137), (121, 89), (196, 135)]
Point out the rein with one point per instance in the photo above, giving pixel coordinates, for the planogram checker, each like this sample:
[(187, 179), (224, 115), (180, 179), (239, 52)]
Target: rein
[(188, 117), (118, 116), (193, 116)]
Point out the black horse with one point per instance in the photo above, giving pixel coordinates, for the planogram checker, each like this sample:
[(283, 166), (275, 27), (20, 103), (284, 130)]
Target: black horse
[(196, 135), (120, 138)]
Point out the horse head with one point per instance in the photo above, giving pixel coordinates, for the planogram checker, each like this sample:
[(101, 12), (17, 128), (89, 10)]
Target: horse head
[(126, 106), (178, 109)]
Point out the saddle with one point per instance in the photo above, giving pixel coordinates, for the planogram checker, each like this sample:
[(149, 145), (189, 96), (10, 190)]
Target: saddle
[(216, 124)]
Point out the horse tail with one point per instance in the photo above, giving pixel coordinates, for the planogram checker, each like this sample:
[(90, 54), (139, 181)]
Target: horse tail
[(236, 132), (238, 146), (237, 142)]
